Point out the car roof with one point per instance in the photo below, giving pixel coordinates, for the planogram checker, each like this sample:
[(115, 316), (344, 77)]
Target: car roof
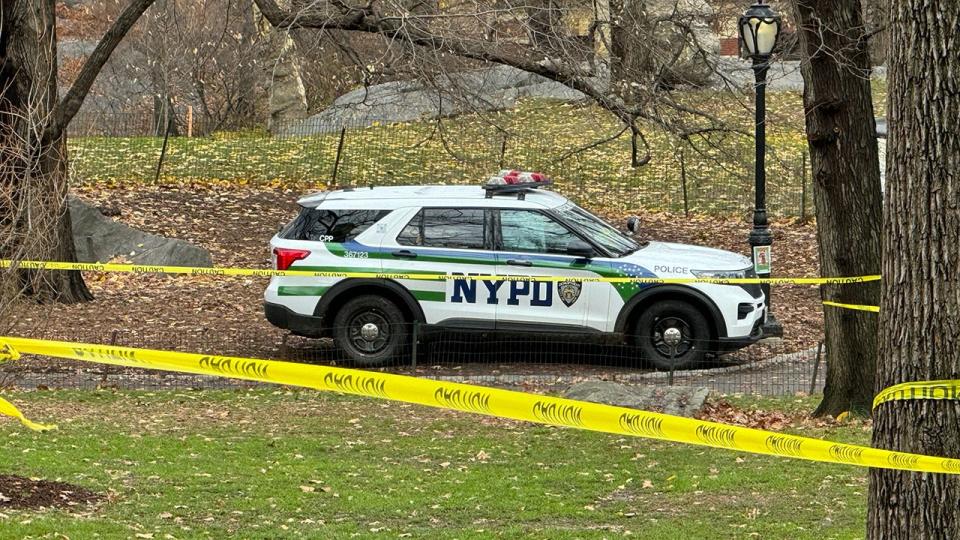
[(390, 197)]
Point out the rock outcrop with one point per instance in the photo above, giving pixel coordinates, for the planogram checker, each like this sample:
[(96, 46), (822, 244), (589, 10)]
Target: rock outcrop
[(98, 239)]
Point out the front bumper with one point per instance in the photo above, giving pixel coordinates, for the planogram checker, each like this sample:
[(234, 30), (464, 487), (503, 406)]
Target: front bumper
[(730, 344), (287, 319)]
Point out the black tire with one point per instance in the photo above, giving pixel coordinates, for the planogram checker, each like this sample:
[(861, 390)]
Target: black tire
[(694, 330), (378, 347)]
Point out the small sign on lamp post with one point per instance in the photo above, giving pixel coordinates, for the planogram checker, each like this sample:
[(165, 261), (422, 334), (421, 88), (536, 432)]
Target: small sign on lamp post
[(762, 259)]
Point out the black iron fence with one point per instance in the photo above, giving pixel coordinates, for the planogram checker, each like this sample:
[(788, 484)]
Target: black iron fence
[(592, 167)]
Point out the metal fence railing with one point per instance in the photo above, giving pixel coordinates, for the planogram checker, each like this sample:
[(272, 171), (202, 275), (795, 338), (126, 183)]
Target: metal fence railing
[(717, 180)]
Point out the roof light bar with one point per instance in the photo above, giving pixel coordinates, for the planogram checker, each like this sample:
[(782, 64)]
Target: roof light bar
[(514, 181)]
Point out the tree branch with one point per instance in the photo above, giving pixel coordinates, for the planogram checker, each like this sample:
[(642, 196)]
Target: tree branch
[(412, 30), (70, 104), (365, 19)]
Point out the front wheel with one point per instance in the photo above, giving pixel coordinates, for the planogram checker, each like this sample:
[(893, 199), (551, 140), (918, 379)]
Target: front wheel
[(370, 330), (673, 334)]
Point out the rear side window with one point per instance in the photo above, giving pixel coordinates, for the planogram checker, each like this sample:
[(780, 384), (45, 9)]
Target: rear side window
[(457, 228), (331, 225)]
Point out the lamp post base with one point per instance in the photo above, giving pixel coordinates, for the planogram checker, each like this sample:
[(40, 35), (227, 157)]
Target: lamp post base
[(772, 328)]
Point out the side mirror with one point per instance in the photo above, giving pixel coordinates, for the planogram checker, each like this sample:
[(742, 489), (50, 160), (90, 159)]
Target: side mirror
[(633, 224), (579, 248)]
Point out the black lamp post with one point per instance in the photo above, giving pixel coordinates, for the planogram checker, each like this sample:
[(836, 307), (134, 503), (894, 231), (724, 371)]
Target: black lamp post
[(759, 28)]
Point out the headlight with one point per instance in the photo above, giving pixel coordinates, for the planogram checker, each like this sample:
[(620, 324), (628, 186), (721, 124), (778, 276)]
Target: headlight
[(721, 274)]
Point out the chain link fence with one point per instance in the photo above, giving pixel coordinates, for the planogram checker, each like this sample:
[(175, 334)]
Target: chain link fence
[(474, 357), (592, 168)]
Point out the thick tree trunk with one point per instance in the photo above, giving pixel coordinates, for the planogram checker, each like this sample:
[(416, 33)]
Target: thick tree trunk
[(627, 55), (841, 134), (658, 45), (34, 216), (875, 19), (33, 166), (545, 26), (920, 308), (65, 287), (250, 78), (287, 95)]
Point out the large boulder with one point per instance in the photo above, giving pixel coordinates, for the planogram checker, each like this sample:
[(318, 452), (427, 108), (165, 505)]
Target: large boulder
[(98, 239), (676, 400), (489, 89)]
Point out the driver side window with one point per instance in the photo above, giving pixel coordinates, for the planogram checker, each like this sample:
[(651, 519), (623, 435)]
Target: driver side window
[(533, 232)]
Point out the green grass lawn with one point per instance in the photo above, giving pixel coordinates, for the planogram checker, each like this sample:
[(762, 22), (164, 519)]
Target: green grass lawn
[(290, 464), (537, 135)]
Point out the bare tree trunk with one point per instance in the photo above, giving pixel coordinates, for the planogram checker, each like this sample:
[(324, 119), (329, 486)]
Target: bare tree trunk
[(34, 216), (250, 77), (545, 26), (841, 134), (288, 97), (920, 309), (627, 52), (33, 167), (65, 287), (875, 19)]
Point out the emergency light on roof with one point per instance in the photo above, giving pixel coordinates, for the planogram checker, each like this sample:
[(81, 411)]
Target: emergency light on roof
[(514, 181)]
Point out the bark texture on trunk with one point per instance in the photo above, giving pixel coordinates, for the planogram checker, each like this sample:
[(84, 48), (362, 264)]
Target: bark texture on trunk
[(841, 134), (657, 44), (876, 21), (34, 216), (920, 308), (34, 219), (287, 95)]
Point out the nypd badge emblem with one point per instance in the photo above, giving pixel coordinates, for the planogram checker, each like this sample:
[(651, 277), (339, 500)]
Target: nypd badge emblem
[(569, 291)]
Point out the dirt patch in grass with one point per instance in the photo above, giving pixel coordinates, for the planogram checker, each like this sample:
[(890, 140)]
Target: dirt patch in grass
[(727, 413), (24, 493)]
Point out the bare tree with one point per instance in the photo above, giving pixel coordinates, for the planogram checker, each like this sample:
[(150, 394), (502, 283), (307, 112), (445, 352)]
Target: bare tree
[(288, 97), (514, 34), (34, 219), (920, 305), (204, 54), (841, 135)]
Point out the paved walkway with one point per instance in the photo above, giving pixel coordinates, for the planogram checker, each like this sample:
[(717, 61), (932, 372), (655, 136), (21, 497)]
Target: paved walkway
[(782, 75)]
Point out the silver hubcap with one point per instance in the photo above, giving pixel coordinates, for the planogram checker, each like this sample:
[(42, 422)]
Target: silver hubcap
[(369, 332), (672, 336)]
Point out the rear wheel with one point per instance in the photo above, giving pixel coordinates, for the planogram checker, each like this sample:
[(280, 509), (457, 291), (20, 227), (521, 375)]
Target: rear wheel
[(370, 330), (673, 334)]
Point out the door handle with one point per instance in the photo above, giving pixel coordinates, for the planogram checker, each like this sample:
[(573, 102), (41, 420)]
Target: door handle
[(404, 254), (518, 262)]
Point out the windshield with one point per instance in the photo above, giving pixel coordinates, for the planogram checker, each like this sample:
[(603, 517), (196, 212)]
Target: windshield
[(597, 230)]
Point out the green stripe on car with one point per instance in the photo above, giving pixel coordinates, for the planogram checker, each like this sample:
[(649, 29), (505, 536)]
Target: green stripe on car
[(307, 290), (430, 296)]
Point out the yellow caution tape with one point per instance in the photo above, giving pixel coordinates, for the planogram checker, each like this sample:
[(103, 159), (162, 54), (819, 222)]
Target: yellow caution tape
[(8, 409), (495, 402), (858, 307), (8, 353), (946, 389), (258, 272)]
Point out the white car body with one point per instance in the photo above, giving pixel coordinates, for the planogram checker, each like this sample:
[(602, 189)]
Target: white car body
[(303, 304)]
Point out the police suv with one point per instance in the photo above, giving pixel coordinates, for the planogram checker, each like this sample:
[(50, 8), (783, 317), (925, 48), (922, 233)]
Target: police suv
[(507, 227)]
